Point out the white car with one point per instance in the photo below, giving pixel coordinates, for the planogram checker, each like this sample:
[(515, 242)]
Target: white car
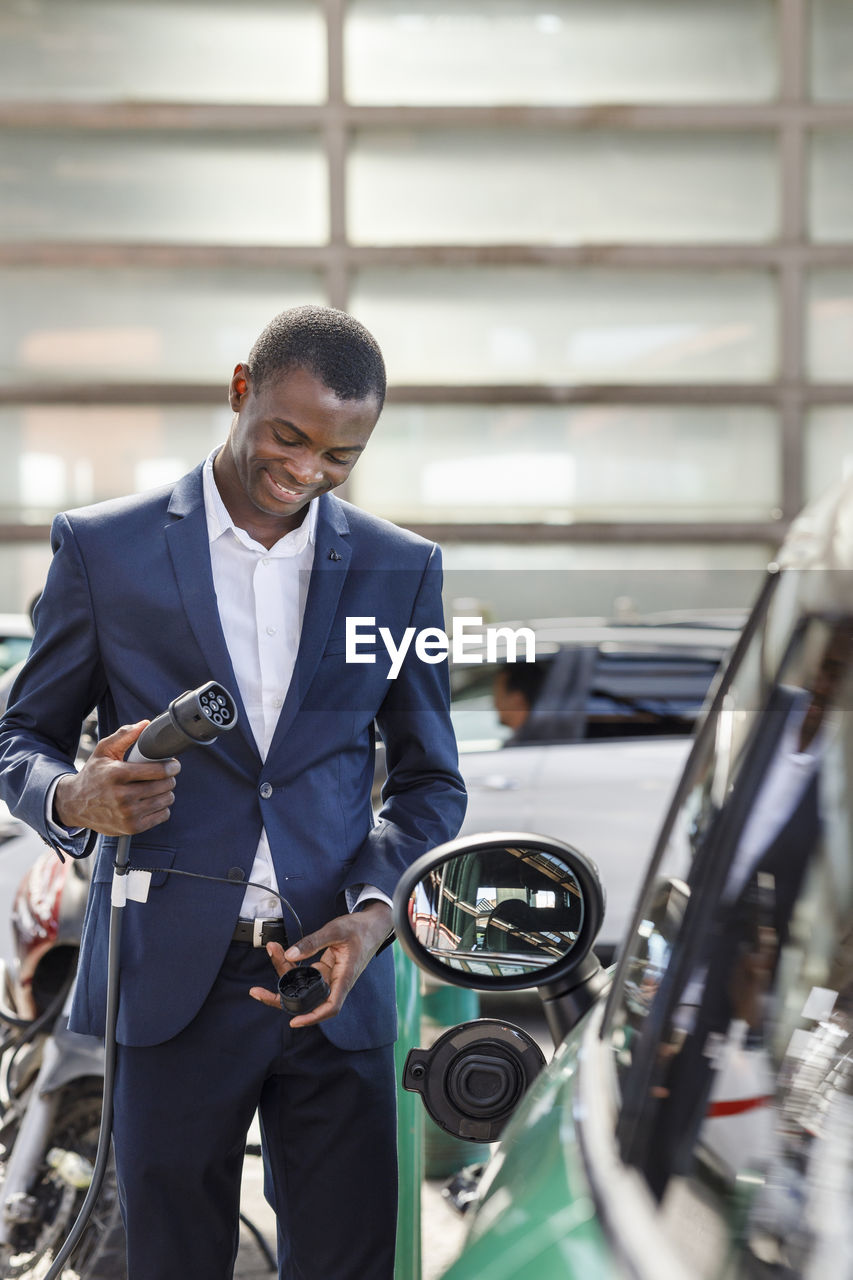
[(20, 844), (16, 634), (607, 736)]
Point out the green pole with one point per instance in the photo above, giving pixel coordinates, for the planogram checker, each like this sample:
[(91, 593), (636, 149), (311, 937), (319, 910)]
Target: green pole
[(410, 1124), (443, 1007), (446, 1005)]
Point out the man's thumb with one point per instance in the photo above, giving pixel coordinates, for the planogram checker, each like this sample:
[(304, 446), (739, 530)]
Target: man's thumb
[(116, 745)]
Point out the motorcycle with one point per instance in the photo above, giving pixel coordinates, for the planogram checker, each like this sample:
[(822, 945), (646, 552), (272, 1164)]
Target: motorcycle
[(51, 1085)]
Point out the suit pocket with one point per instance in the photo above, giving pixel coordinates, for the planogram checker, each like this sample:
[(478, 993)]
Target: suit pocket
[(366, 642), (144, 856)]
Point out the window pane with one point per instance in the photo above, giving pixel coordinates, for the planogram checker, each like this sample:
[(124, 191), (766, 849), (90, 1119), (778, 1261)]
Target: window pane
[(832, 49), (465, 186), (828, 448), (139, 325), (541, 463), (171, 188), (528, 580), (23, 569), (59, 457), (830, 325), (162, 50), (522, 324), (705, 788), (830, 193), (567, 51)]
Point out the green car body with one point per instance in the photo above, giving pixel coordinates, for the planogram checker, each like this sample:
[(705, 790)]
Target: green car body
[(536, 1219)]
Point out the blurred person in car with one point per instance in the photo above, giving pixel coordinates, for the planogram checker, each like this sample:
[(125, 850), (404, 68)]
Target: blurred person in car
[(514, 692)]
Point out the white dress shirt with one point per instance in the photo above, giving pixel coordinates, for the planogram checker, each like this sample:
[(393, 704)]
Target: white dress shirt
[(261, 594)]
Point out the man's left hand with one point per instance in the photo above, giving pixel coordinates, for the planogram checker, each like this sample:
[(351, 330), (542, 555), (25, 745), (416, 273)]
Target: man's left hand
[(347, 944)]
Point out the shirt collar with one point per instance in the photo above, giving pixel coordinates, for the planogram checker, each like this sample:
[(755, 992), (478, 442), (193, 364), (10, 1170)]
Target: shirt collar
[(219, 522)]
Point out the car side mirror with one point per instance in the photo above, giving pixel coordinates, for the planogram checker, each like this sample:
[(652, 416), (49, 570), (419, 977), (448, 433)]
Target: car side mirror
[(504, 911), (498, 912)]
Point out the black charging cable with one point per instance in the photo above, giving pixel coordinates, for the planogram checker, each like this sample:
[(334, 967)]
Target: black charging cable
[(300, 989), (196, 717)]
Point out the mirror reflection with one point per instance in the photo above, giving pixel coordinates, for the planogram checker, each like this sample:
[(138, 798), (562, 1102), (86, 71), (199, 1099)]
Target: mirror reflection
[(503, 911)]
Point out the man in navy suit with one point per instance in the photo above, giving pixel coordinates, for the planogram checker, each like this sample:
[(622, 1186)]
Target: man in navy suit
[(245, 572)]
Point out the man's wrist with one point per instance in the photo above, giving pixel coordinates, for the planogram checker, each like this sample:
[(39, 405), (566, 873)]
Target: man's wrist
[(57, 799), (381, 920), (363, 893)]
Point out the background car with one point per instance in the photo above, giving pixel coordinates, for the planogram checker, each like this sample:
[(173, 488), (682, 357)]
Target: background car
[(695, 1120), (16, 633), (20, 845), (607, 735)]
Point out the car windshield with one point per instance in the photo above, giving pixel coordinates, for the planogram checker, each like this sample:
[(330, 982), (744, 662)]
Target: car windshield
[(732, 1028)]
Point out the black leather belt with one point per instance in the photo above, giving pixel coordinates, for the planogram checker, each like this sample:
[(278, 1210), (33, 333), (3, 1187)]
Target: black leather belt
[(257, 933)]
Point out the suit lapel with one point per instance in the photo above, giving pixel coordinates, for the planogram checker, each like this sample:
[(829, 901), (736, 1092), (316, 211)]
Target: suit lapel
[(188, 542), (332, 554)]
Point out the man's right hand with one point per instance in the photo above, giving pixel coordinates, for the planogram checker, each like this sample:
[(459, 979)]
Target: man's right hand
[(114, 796)]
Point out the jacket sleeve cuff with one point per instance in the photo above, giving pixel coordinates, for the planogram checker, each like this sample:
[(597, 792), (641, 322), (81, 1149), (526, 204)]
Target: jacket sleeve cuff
[(357, 894), (75, 841)]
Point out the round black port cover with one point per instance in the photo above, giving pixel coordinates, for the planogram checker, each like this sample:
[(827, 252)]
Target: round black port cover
[(301, 990), (474, 1076)]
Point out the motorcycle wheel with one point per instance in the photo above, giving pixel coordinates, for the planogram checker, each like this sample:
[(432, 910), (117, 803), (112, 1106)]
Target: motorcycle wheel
[(100, 1254)]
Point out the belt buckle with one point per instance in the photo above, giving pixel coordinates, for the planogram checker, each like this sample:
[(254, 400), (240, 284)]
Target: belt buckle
[(258, 932)]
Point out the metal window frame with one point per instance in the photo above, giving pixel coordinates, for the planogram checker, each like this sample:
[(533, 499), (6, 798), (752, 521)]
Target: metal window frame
[(791, 118)]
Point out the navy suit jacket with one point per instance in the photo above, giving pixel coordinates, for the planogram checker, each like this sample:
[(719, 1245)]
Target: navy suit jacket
[(128, 620)]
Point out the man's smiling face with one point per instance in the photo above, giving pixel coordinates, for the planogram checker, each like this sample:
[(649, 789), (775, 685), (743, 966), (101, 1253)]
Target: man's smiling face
[(292, 439)]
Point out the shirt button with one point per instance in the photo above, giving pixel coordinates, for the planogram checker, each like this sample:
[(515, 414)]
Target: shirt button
[(265, 560), (272, 904), (270, 631), (278, 702), (265, 790)]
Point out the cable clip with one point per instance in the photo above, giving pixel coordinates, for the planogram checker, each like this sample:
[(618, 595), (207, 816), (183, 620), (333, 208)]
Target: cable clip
[(132, 886)]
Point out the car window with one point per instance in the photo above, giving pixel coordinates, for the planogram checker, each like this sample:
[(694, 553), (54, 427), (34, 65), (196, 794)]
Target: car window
[(737, 1006), (637, 694), (472, 709), (593, 693), (710, 777)]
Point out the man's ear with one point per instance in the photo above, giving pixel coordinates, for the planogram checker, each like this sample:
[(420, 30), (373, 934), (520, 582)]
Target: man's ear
[(239, 387), (517, 708)]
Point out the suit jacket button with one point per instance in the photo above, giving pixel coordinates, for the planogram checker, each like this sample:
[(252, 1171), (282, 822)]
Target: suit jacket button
[(266, 791), (237, 874)]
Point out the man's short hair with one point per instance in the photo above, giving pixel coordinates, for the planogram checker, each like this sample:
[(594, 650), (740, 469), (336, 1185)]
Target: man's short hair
[(330, 344), (526, 678)]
